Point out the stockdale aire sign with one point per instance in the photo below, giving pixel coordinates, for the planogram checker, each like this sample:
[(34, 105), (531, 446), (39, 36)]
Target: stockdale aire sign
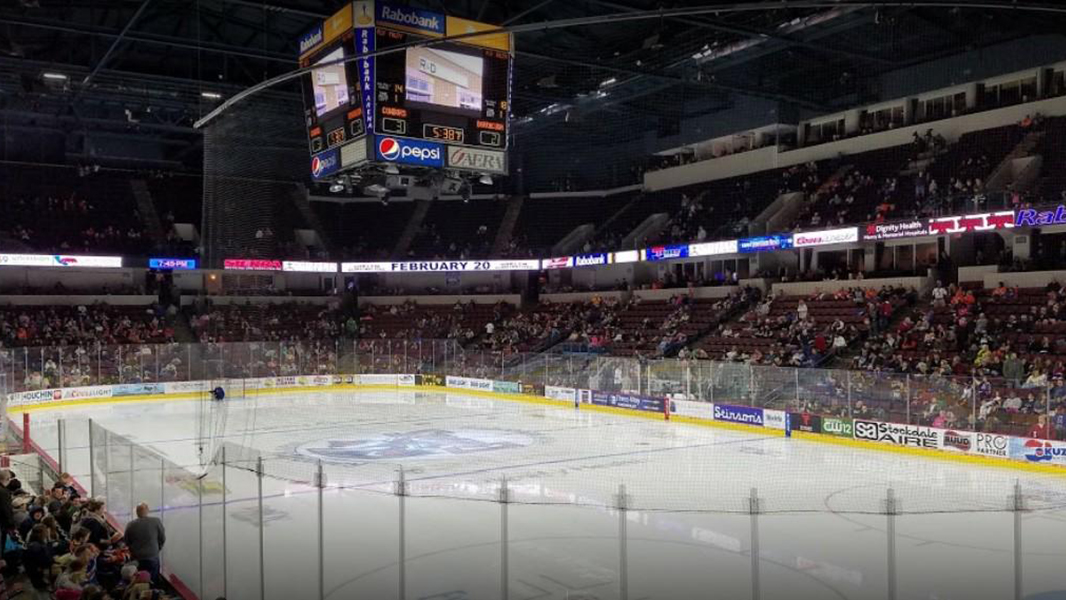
[(901, 435), (482, 161)]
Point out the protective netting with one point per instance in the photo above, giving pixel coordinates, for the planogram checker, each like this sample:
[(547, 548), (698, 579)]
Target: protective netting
[(447, 444), (255, 164), (436, 467)]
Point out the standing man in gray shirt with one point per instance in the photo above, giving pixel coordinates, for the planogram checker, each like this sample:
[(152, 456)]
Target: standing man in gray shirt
[(145, 537)]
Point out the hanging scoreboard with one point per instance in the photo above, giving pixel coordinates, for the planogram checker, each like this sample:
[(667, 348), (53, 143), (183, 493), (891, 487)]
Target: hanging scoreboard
[(439, 105)]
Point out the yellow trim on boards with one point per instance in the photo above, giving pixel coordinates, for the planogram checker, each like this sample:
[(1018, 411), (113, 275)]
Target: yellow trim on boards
[(985, 461)]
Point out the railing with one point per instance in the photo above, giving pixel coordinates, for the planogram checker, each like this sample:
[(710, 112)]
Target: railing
[(419, 503), (985, 404)]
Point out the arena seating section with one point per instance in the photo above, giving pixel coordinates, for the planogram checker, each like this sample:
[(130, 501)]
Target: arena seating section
[(67, 210), (458, 229)]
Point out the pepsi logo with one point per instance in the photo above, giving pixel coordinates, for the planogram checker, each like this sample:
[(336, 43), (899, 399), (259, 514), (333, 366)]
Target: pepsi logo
[(324, 163), (1038, 451), (389, 148)]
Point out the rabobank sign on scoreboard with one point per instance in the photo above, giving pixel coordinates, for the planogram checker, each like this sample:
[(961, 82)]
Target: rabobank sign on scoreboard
[(409, 152), (411, 19)]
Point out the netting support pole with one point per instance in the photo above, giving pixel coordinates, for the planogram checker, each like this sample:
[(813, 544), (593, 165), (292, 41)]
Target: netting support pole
[(688, 382), (133, 493), (908, 407), (848, 373), (797, 384), (622, 503), (891, 510), (505, 498), (225, 545), (92, 461), (753, 510), (200, 528), (61, 438), (711, 394), (162, 499), (262, 546), (1018, 506), (26, 446), (320, 483), (401, 494)]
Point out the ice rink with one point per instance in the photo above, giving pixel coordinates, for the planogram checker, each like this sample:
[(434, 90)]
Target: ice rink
[(821, 531)]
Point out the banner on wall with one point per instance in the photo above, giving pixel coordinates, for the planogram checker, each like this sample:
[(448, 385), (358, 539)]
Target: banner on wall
[(376, 379), (251, 264), (846, 235), (745, 415), (468, 383), (840, 427), (713, 248), (138, 389), (774, 419), (666, 252), (766, 243), (1038, 451), (506, 387), (806, 422), (914, 436), (303, 266), (957, 441), (695, 410), (442, 266), (627, 401), (434, 380), (560, 393), (990, 444), (60, 260)]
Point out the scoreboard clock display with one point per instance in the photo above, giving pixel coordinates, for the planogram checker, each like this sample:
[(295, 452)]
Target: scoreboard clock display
[(452, 93)]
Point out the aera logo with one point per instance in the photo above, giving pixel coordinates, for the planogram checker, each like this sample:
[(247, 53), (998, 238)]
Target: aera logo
[(66, 261), (485, 161)]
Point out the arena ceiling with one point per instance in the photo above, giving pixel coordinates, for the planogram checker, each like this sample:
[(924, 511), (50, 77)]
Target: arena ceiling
[(145, 70)]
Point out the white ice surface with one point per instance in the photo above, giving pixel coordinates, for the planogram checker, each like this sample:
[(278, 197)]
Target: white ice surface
[(688, 535)]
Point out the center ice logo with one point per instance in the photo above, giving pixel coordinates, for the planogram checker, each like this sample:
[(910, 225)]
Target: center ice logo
[(425, 443)]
